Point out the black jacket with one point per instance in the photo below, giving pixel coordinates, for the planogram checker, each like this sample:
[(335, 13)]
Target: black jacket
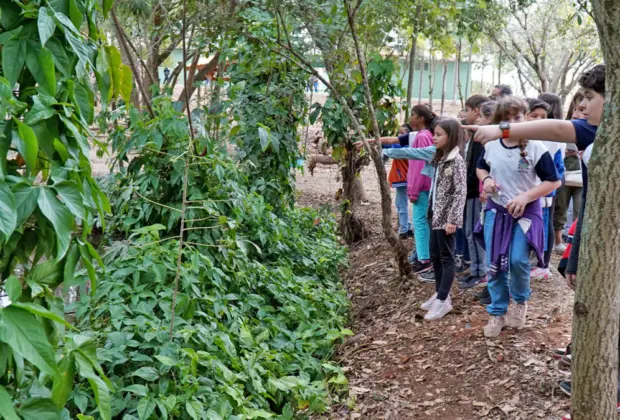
[(474, 151)]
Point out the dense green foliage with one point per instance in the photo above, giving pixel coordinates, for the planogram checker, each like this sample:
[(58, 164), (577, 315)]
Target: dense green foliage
[(259, 307), (47, 196)]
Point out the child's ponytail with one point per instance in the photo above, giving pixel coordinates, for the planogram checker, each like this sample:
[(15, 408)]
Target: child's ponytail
[(430, 118)]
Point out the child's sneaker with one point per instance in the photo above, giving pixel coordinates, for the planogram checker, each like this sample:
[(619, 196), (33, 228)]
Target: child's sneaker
[(565, 361), (422, 267), (568, 416), (426, 306), (439, 309), (428, 277), (559, 248), (516, 315), (561, 352), (473, 282), (494, 326), (482, 293), (540, 274), (565, 387)]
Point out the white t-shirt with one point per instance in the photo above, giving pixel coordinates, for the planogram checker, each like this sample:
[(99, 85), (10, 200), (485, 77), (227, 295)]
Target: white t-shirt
[(514, 174)]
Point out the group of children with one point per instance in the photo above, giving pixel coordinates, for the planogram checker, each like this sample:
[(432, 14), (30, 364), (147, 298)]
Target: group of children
[(498, 190)]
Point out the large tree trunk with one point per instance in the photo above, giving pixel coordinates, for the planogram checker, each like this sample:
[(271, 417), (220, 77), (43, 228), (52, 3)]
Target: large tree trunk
[(469, 64), (421, 78), (456, 88), (414, 42), (597, 298), (444, 79), (431, 79)]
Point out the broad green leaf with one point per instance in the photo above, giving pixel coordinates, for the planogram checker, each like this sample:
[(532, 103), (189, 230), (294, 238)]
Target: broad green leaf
[(25, 200), (71, 197), (75, 15), (81, 140), (26, 336), (126, 84), (13, 288), (98, 385), (46, 25), (41, 109), (114, 58), (265, 138), (162, 409), (137, 389), (13, 59), (63, 386), (39, 310), (27, 146), (107, 6), (39, 409), (146, 407), (194, 409), (47, 273), (253, 413), (61, 59), (40, 62), (8, 211), (69, 270), (146, 373), (85, 103), (6, 405), (60, 217)]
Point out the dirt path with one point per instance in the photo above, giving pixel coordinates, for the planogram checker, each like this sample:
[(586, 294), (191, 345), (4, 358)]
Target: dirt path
[(401, 367)]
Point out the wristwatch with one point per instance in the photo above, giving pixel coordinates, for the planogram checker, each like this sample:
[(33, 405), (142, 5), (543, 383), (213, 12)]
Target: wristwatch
[(505, 127)]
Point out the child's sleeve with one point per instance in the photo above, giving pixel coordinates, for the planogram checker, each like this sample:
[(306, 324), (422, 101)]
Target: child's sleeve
[(426, 154), (482, 161), (459, 180), (545, 168)]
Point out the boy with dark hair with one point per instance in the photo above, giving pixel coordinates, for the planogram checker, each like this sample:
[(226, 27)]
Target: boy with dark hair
[(502, 90), (580, 132), (478, 268)]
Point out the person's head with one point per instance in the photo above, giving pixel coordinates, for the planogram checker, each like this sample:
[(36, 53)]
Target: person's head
[(575, 109), (538, 109), (555, 105), (405, 129), (462, 114), (472, 108), (592, 83), (487, 110), (502, 91), (422, 117), (448, 135), (513, 110)]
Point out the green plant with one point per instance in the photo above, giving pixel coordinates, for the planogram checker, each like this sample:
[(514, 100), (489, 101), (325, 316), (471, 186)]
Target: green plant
[(48, 198)]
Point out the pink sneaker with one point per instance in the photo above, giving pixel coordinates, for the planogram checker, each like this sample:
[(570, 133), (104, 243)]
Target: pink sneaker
[(540, 274)]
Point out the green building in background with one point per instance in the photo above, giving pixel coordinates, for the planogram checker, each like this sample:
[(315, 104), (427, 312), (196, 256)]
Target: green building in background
[(451, 86)]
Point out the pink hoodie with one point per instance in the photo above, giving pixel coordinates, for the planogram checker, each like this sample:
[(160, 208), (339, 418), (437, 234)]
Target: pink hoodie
[(416, 182)]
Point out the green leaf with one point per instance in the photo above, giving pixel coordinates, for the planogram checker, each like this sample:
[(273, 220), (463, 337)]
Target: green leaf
[(63, 386), (13, 59), (146, 373), (98, 385), (13, 288), (47, 273), (6, 405), (39, 310), (8, 213), (46, 25), (137, 389), (146, 406), (40, 62), (69, 269), (26, 336), (126, 84), (114, 58), (71, 197), (25, 200), (107, 6), (85, 103), (265, 138), (60, 217), (194, 409), (61, 59), (39, 409), (27, 145), (41, 109), (75, 15)]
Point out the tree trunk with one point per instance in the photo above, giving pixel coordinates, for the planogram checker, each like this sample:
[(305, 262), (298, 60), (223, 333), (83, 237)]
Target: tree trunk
[(457, 68), (421, 78), (469, 64), (414, 42), (444, 78), (431, 79), (404, 268), (597, 298), (152, 61), (200, 75), (499, 69)]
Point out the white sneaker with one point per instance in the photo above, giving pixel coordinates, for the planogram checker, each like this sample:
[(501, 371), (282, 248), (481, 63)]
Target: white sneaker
[(559, 248), (516, 316), (426, 306), (439, 309), (540, 274), (494, 326)]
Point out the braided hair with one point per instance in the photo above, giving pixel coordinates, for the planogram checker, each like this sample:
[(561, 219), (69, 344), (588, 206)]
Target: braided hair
[(508, 107)]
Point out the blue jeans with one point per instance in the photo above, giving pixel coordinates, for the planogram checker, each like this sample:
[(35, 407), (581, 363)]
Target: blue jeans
[(402, 206), (519, 286), (478, 266), (462, 250), (421, 228)]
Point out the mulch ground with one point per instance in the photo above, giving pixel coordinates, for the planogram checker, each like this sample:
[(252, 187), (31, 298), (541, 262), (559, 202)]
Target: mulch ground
[(402, 367)]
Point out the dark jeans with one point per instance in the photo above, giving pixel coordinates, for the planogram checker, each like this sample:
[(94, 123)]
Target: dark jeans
[(461, 244), (442, 257), (550, 237)]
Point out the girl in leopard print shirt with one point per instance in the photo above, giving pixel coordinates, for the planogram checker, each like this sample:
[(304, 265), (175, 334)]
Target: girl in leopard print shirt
[(445, 212)]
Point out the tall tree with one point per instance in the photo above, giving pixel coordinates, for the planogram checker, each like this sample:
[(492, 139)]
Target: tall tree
[(597, 298)]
